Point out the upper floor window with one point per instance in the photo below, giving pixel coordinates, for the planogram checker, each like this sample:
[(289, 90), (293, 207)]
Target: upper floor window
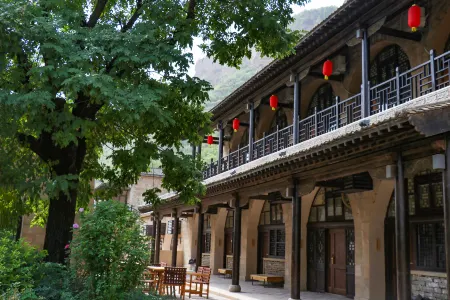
[(323, 98), (383, 66), (279, 120)]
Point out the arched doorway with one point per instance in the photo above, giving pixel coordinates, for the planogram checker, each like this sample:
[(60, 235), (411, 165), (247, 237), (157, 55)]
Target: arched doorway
[(427, 240), (228, 253), (331, 244), (271, 240)]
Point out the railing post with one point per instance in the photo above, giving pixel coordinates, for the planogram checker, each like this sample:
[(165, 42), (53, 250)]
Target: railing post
[(229, 161), (238, 155), (264, 144), (211, 166), (337, 112), (276, 139), (315, 121), (397, 83), (220, 144), (296, 110), (432, 71), (251, 130), (367, 102)]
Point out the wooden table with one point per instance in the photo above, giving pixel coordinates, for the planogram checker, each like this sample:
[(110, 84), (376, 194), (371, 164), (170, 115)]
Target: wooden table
[(159, 271), (266, 278)]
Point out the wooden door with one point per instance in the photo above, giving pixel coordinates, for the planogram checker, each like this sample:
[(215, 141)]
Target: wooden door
[(316, 260), (228, 246), (337, 261)]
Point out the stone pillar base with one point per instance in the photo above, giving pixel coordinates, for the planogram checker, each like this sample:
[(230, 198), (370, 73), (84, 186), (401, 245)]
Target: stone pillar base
[(294, 299), (234, 288)]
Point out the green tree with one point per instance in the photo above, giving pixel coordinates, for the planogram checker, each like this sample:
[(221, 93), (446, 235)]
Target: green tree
[(79, 75)]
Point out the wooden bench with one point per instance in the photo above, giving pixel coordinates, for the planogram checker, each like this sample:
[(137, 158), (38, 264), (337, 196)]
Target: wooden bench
[(267, 278), (225, 272)]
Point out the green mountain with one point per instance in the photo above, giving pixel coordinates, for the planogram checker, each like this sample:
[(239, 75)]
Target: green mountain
[(225, 79)]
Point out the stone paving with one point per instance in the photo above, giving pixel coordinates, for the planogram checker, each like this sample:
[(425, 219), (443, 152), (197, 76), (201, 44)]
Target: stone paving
[(219, 291)]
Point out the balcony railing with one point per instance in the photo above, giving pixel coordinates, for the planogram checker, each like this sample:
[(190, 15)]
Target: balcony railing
[(418, 81)]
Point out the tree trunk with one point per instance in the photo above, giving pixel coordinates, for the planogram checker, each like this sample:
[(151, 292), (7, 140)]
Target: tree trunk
[(61, 217), (19, 228)]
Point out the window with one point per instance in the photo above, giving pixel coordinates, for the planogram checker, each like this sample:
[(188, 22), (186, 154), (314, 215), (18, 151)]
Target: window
[(323, 98), (429, 193), (280, 120), (207, 242), (161, 243), (330, 206), (148, 230), (170, 227), (430, 243), (383, 66), (207, 221), (271, 214), (277, 242), (229, 223)]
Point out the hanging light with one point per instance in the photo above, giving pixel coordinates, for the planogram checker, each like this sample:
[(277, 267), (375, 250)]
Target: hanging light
[(210, 140), (273, 102), (414, 17), (327, 69), (236, 124)]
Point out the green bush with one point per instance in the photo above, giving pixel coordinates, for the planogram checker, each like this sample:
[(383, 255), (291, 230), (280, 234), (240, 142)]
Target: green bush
[(18, 262), (108, 253)]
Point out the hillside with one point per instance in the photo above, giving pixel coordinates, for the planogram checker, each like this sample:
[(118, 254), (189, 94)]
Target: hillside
[(225, 79)]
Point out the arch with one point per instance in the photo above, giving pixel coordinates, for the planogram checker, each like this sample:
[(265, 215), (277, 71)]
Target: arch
[(328, 206), (323, 98), (382, 67)]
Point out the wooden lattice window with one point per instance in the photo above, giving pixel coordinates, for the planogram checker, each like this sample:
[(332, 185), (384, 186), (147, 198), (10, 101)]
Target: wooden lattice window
[(271, 214), (383, 66), (230, 220), (323, 98), (148, 230), (277, 238), (430, 246), (206, 221), (429, 193), (207, 242), (330, 206), (280, 120)]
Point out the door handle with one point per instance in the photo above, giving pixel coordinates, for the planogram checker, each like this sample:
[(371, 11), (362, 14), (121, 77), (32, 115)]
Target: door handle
[(332, 259)]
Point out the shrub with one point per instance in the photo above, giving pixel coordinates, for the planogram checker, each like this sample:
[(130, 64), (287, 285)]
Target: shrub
[(108, 252), (18, 262)]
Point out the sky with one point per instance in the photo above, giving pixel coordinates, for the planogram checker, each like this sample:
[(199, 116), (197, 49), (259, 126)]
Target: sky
[(198, 54)]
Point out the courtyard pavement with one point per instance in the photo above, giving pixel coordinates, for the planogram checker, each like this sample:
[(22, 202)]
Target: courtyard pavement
[(219, 291)]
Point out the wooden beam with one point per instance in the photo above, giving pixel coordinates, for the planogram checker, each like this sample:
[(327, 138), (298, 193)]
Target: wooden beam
[(412, 36)]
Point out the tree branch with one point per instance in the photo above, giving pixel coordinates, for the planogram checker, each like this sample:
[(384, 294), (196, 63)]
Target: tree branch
[(191, 10), (39, 146), (99, 7), (137, 13)]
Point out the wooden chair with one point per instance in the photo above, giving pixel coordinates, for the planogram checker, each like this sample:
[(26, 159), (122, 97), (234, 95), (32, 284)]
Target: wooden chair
[(202, 280), (148, 282), (163, 264), (172, 278)]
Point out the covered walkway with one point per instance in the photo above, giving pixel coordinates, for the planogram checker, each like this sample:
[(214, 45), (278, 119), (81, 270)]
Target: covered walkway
[(219, 290)]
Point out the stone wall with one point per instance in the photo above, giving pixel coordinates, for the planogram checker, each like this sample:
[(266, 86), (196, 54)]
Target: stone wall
[(206, 259), (429, 286), (229, 262), (274, 266)]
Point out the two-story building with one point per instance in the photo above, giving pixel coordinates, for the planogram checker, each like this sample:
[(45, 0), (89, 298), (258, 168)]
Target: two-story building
[(341, 186)]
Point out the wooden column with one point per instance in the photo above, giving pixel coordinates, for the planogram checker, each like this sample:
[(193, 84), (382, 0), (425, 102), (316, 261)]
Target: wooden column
[(175, 239), (198, 257), (157, 240), (296, 120), (365, 48), (153, 243), (193, 151), (296, 238), (199, 151), (235, 287), (220, 125), (251, 130), (447, 210), (402, 235)]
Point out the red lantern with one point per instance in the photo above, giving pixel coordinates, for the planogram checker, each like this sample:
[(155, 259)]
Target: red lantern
[(327, 69), (236, 124), (273, 102), (414, 17), (210, 140)]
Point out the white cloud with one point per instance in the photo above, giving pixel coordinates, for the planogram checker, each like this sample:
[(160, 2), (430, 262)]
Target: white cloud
[(198, 54)]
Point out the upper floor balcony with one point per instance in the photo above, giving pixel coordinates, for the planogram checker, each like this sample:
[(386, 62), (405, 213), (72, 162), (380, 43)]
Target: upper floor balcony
[(401, 87)]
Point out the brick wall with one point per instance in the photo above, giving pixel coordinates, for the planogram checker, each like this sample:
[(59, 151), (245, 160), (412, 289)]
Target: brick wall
[(429, 287), (274, 266), (229, 261), (206, 259)]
